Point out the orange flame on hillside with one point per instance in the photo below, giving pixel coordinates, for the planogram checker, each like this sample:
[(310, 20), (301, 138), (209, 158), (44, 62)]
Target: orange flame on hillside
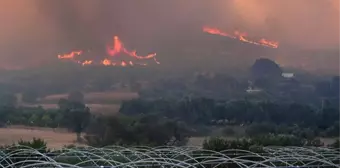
[(241, 36), (112, 51), (87, 62), (71, 55), (118, 47)]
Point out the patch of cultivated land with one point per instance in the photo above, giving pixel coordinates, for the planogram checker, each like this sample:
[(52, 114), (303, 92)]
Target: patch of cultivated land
[(98, 102), (55, 139), (95, 108), (95, 97), (104, 108)]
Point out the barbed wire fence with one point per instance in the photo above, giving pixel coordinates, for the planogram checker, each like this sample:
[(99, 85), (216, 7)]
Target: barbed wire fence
[(165, 156)]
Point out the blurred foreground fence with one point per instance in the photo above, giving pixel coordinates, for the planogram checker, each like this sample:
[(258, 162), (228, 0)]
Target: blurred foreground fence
[(175, 157)]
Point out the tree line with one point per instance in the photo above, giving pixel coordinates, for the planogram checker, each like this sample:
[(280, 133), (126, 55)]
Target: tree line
[(256, 143), (214, 143), (168, 121), (277, 117)]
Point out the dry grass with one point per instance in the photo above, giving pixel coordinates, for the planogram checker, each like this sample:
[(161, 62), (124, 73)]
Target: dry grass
[(54, 97), (99, 102), (196, 141), (95, 108), (328, 141), (54, 139), (104, 109), (45, 106), (95, 97)]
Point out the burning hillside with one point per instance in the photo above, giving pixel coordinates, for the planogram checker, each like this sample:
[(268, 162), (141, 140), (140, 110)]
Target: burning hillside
[(241, 36), (117, 55)]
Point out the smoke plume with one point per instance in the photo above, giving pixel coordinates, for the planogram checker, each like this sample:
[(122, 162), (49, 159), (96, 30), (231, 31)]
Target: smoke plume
[(37, 30)]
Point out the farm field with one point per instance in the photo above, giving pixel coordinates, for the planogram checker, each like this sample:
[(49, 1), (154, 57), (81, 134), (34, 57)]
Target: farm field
[(107, 103), (54, 139), (59, 138), (95, 108)]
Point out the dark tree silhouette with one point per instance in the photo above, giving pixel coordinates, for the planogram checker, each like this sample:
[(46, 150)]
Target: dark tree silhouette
[(76, 115), (335, 86), (136, 130), (76, 96), (265, 68)]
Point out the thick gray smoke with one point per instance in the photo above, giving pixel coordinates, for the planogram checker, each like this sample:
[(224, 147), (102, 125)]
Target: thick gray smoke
[(36, 30)]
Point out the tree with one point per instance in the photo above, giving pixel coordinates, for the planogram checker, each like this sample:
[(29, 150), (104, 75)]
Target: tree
[(255, 143), (76, 96), (335, 84), (34, 120), (36, 143), (76, 116), (323, 89), (63, 104), (150, 129), (59, 120), (8, 100), (265, 68), (79, 117), (46, 119), (136, 106)]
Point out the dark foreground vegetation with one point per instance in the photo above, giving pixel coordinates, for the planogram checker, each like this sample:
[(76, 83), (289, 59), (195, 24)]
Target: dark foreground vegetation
[(250, 152), (164, 122), (262, 117)]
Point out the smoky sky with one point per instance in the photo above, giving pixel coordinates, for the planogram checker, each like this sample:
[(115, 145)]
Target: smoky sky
[(36, 30)]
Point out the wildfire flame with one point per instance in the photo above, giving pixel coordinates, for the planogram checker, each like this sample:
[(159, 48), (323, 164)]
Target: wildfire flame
[(87, 62), (70, 55), (112, 51), (241, 36), (118, 47)]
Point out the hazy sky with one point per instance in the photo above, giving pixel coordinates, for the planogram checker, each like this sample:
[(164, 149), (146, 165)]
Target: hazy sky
[(36, 30)]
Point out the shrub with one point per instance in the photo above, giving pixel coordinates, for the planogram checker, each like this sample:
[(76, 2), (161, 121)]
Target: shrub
[(36, 143)]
